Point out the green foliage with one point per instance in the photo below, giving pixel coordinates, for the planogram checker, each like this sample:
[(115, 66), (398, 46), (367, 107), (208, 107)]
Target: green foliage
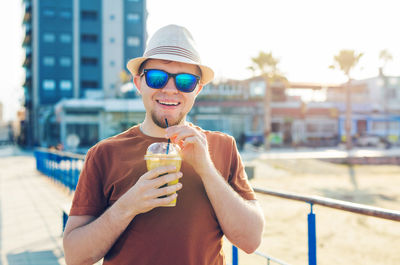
[(385, 57), (346, 60), (267, 65)]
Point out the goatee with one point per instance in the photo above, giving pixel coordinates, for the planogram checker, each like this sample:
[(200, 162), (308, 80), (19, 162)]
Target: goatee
[(160, 121)]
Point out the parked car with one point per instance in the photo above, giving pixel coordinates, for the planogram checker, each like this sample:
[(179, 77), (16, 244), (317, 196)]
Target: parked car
[(369, 140)]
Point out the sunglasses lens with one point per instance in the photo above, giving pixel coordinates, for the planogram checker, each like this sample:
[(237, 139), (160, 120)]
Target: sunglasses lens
[(156, 78), (185, 82)]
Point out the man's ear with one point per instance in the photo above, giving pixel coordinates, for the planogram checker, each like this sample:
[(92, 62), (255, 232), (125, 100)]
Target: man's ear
[(200, 87), (136, 81)]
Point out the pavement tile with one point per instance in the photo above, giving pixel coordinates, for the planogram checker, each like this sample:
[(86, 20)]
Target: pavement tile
[(30, 214)]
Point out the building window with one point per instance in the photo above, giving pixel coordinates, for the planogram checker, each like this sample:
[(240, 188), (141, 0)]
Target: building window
[(48, 60), (65, 14), (89, 61), (65, 84), (49, 84), (133, 41), (133, 17), (65, 38), (88, 15), (48, 12), (65, 61), (89, 84), (49, 37), (88, 133), (89, 38)]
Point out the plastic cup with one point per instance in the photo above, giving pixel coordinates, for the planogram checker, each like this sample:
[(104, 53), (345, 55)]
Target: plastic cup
[(157, 156)]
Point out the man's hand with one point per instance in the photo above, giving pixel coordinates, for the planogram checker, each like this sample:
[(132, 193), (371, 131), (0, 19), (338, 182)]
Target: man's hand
[(144, 195), (194, 146)]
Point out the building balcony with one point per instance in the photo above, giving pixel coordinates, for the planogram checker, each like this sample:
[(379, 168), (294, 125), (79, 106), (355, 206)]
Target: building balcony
[(27, 40), (28, 82), (27, 17), (27, 62)]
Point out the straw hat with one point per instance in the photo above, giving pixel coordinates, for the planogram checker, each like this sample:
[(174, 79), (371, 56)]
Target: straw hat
[(172, 43)]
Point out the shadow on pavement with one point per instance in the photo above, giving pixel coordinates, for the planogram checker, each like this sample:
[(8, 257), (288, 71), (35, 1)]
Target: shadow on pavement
[(46, 257), (353, 178)]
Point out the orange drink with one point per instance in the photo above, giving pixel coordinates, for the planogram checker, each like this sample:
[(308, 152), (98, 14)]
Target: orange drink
[(157, 156)]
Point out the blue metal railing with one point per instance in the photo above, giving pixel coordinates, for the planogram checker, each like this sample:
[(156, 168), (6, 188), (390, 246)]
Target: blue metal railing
[(235, 257), (327, 202), (65, 168), (62, 167)]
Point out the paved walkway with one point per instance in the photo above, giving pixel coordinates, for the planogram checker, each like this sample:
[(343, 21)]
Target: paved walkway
[(30, 214)]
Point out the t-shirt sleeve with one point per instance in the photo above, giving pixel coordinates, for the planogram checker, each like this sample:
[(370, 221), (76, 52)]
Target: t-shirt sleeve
[(238, 177), (89, 197)]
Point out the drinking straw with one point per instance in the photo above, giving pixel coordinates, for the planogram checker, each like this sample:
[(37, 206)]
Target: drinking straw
[(169, 140)]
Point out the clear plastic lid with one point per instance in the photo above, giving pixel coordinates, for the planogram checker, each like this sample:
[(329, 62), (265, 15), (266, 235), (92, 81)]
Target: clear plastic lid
[(161, 149)]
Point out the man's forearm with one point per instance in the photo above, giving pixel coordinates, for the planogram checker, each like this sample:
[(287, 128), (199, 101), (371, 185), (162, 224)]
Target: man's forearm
[(242, 221), (89, 243), (87, 240)]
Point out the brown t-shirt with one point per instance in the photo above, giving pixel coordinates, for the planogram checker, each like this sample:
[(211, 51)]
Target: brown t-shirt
[(188, 233)]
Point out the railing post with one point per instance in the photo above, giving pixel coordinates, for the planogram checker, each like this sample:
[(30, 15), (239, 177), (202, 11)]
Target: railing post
[(235, 256), (312, 238)]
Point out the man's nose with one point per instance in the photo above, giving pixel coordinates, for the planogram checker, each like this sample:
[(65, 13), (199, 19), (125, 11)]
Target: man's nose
[(170, 86)]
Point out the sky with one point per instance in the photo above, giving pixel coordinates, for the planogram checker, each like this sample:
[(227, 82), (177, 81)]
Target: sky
[(303, 35)]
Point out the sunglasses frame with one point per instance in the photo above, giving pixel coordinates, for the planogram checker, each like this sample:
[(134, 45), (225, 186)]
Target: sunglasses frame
[(169, 76)]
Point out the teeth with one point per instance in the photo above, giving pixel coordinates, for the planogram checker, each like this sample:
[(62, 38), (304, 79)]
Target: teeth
[(168, 103)]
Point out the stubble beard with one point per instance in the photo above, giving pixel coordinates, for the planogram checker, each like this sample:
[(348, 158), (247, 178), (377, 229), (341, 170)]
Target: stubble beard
[(160, 120)]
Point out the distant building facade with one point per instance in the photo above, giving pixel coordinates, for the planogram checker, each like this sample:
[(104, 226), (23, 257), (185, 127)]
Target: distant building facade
[(375, 108), (75, 49), (236, 107), (84, 122)]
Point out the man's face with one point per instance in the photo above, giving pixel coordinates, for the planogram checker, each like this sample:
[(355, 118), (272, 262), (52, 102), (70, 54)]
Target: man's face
[(167, 103)]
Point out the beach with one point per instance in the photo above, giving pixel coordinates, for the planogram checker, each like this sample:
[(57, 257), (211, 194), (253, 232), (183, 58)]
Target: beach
[(342, 237)]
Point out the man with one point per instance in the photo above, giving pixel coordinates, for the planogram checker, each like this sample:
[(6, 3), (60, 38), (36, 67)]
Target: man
[(116, 211)]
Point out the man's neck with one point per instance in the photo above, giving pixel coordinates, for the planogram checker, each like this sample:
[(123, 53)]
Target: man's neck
[(149, 128)]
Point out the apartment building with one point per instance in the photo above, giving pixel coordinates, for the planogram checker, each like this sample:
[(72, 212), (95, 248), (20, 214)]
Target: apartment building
[(75, 49)]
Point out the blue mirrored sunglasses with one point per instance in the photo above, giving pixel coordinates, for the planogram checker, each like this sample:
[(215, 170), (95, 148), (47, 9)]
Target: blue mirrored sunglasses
[(158, 79)]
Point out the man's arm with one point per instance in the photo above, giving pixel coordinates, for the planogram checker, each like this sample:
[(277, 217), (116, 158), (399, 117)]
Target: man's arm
[(87, 239), (241, 221)]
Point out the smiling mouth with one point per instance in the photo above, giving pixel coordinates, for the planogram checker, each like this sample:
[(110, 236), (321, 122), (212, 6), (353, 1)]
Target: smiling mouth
[(168, 104)]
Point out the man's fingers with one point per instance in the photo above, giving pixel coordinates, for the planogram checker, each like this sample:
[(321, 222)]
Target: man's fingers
[(193, 140), (154, 173), (189, 136), (167, 190), (182, 135), (178, 133), (162, 180), (164, 201)]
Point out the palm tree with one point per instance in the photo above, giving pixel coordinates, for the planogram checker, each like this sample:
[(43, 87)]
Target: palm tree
[(385, 57), (346, 61), (267, 65)]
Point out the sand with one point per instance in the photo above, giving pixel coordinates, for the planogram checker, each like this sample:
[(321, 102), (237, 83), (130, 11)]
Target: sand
[(342, 237)]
